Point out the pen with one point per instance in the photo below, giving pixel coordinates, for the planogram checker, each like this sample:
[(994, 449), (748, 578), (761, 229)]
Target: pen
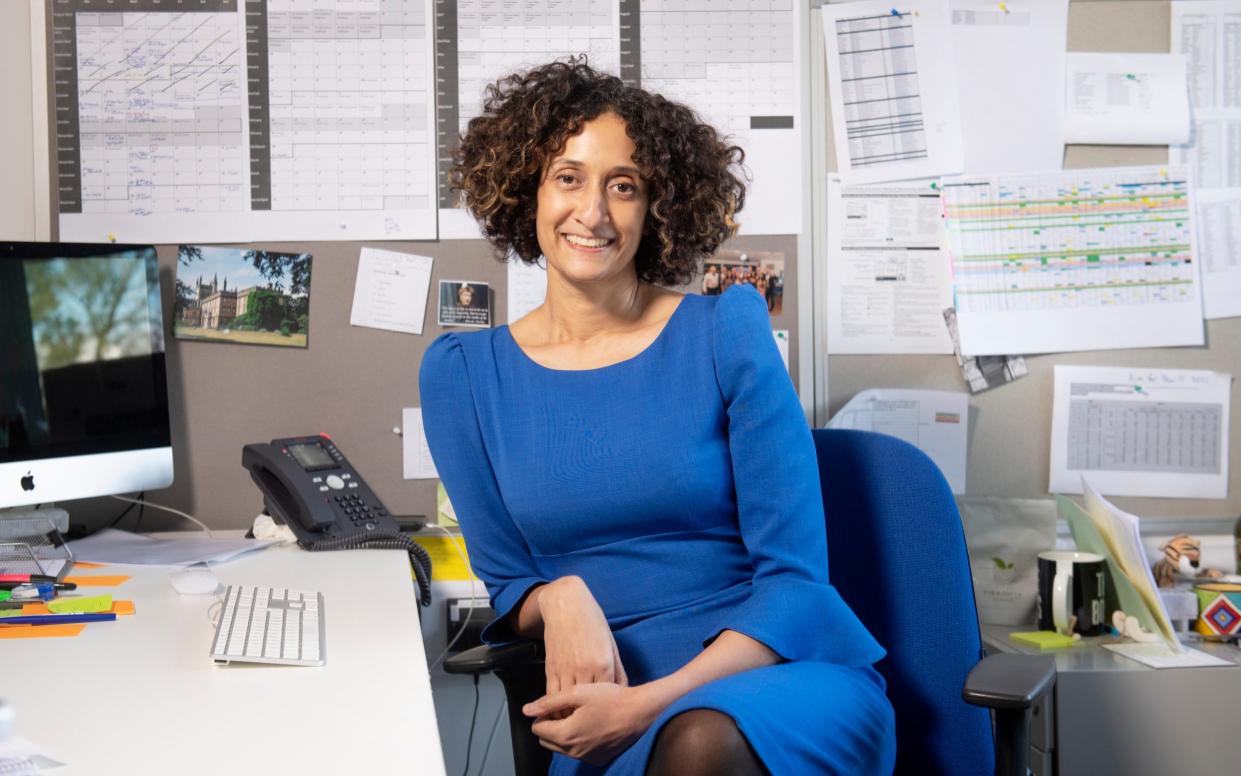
[(27, 578), (9, 585), (57, 619)]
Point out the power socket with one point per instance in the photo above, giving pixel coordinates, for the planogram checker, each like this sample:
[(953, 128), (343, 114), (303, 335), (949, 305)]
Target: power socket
[(458, 611)]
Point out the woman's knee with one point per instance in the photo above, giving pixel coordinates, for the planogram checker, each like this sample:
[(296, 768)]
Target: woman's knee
[(703, 741)]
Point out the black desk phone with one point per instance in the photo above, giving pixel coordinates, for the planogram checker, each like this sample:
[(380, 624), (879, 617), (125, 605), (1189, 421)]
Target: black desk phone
[(309, 485)]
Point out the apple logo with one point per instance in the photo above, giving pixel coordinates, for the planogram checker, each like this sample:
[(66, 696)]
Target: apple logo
[(28, 481)]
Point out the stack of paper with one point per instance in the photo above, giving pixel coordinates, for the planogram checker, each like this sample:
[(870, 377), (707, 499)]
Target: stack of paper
[(1105, 530)]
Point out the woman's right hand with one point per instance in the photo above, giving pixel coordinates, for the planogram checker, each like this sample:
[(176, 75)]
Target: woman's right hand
[(579, 643)]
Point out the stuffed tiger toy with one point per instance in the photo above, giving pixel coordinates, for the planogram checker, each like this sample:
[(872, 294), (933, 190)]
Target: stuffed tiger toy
[(1181, 554)]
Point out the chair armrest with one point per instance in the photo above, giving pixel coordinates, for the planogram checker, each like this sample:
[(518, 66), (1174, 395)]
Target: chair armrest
[(486, 658), (1009, 681)]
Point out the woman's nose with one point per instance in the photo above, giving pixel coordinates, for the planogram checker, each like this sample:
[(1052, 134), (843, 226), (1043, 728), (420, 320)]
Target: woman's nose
[(592, 209)]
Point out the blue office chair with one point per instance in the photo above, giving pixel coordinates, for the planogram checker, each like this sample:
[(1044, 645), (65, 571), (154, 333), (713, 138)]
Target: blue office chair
[(896, 551)]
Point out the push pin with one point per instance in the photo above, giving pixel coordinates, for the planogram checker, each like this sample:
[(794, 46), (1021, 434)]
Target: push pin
[(111, 237), (895, 12), (1003, 7)]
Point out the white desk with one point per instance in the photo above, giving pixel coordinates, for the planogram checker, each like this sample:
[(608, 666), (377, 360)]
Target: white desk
[(142, 696)]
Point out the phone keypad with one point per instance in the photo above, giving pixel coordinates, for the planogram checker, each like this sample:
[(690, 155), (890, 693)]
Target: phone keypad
[(357, 509)]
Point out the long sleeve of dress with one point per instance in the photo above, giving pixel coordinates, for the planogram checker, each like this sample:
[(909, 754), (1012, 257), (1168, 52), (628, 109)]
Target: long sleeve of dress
[(779, 500), (499, 554)]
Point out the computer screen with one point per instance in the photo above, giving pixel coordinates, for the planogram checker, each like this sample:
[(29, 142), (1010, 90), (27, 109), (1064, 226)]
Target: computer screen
[(83, 397)]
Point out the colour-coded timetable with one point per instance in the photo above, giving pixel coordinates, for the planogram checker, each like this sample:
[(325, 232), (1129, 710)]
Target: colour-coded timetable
[(1106, 243)]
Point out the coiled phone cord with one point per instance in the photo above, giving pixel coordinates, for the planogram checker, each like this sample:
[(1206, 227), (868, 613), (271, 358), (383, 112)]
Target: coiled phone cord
[(418, 557)]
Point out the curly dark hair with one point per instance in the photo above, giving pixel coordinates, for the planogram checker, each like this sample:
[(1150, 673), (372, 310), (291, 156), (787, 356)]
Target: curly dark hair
[(695, 178)]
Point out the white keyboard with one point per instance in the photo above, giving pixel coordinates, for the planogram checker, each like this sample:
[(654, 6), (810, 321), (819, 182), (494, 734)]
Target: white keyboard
[(270, 625)]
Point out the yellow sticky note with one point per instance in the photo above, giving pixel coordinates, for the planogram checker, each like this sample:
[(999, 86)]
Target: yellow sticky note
[(446, 562), (1043, 639), (93, 603)]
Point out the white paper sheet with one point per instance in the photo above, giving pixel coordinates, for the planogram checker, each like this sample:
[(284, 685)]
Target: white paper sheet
[(936, 422), (1010, 79), (1140, 431), (1219, 245), (1206, 33), (887, 279), (391, 290), (1122, 535), (1126, 99), (782, 344), (1159, 655), (1074, 260), (112, 545), (893, 90), (527, 287), (418, 464)]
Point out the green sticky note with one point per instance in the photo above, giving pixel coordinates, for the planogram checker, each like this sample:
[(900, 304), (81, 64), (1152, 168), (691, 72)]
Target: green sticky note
[(1043, 639), (5, 595), (94, 603), (11, 613)]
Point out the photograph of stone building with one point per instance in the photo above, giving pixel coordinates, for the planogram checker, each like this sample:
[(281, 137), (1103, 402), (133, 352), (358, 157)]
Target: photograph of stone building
[(244, 296)]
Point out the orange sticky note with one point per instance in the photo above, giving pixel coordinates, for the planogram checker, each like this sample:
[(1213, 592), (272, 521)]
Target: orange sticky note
[(86, 564), (41, 631), (97, 581)]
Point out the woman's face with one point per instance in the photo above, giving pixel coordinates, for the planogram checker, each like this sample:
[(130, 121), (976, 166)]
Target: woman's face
[(592, 204), (465, 295)]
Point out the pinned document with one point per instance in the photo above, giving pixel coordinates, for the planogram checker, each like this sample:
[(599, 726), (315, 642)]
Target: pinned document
[(892, 90), (1140, 431), (1075, 260), (1010, 80), (887, 278), (391, 290), (1126, 99), (936, 422), (417, 454)]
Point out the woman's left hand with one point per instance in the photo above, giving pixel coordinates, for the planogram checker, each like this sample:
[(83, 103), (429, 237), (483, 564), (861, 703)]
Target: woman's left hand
[(591, 722)]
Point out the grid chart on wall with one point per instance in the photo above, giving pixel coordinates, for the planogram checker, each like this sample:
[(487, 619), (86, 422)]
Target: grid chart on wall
[(879, 88), (349, 105), (1119, 435), (1069, 240), (237, 120), (732, 61), (156, 123)]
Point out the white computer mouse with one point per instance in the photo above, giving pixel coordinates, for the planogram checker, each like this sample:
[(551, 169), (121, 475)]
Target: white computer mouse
[(195, 581)]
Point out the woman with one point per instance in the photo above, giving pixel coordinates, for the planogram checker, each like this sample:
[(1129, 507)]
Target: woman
[(631, 467)]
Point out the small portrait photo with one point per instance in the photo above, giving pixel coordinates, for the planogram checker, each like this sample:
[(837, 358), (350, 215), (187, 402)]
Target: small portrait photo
[(762, 269), (464, 303), (242, 295)]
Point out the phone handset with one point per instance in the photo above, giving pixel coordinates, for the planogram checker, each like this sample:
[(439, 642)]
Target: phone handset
[(277, 477)]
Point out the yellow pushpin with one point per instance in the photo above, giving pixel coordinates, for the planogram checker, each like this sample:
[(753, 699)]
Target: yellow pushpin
[(1003, 7), (111, 237)]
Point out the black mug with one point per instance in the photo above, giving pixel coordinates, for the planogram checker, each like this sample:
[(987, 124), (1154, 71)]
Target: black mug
[(1072, 591)]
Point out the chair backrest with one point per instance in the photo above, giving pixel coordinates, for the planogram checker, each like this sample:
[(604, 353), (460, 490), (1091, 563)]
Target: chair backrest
[(896, 552)]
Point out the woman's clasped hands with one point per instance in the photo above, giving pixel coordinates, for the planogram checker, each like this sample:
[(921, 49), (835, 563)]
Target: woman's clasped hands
[(589, 712)]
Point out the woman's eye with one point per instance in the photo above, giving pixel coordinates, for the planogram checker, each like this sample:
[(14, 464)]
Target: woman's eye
[(566, 178), (626, 188)]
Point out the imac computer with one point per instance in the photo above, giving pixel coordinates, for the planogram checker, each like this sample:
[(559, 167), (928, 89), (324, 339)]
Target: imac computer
[(83, 397)]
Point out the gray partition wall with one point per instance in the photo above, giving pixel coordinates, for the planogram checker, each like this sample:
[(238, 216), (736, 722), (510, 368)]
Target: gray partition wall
[(1010, 427)]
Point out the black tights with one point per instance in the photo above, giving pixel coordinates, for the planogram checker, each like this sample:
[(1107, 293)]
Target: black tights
[(703, 742)]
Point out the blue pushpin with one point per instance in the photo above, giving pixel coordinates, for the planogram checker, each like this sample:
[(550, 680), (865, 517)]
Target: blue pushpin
[(895, 12)]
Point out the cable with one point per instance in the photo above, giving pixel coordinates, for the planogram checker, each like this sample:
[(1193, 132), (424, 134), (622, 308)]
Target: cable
[(384, 540), (469, 742), (495, 725), (129, 508), (142, 503), (473, 595)]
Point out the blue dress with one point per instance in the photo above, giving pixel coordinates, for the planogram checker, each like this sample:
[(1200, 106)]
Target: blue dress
[(682, 486)]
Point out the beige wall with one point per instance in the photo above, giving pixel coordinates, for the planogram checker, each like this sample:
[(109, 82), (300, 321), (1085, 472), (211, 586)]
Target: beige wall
[(17, 151)]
